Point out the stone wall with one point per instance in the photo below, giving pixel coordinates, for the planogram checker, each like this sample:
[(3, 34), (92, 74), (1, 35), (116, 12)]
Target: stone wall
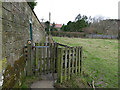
[(16, 29)]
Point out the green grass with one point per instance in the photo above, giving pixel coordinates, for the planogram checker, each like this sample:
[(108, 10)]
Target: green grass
[(75, 82), (100, 59)]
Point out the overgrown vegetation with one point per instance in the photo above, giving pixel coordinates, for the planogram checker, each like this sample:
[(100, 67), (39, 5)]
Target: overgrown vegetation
[(32, 4), (67, 34), (75, 82), (100, 59)]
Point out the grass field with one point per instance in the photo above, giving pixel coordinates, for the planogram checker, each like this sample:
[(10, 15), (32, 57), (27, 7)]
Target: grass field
[(100, 59)]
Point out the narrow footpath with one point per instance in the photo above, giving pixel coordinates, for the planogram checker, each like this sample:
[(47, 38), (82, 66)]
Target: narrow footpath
[(47, 80)]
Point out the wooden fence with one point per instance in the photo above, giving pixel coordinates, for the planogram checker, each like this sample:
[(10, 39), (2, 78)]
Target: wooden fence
[(69, 62), (53, 58)]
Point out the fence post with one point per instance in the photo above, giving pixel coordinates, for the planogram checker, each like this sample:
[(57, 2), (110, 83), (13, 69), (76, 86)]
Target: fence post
[(29, 67)]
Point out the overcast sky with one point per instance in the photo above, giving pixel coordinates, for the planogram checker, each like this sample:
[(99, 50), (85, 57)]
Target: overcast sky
[(63, 11)]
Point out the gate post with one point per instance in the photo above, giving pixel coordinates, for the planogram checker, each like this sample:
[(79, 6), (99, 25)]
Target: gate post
[(29, 67)]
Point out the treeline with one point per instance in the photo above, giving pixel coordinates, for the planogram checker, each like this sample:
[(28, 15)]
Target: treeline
[(77, 25), (49, 27), (96, 25)]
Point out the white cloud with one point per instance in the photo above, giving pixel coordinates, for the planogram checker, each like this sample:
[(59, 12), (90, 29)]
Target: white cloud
[(63, 11)]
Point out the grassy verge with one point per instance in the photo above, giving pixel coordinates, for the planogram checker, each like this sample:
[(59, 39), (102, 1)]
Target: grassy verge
[(75, 82), (100, 59)]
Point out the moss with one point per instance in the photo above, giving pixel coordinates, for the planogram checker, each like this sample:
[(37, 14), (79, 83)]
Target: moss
[(13, 76)]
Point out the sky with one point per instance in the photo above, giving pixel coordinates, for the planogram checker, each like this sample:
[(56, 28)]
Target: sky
[(63, 11)]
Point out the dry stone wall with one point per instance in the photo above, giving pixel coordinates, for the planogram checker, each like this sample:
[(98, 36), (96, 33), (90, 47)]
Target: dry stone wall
[(16, 29)]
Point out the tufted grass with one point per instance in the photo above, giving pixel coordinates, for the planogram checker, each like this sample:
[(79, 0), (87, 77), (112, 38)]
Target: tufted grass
[(100, 59)]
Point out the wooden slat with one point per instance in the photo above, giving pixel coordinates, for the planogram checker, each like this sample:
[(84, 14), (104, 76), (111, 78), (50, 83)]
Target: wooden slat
[(40, 59), (79, 60), (44, 60), (81, 53), (47, 59), (73, 61), (36, 59), (51, 57), (54, 56), (76, 61), (65, 64), (58, 64), (61, 67), (69, 64)]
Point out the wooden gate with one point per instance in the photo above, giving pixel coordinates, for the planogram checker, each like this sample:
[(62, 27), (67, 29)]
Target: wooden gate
[(48, 58), (41, 58)]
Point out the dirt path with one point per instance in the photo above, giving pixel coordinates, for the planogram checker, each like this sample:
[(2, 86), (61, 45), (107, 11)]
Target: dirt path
[(43, 84), (46, 82)]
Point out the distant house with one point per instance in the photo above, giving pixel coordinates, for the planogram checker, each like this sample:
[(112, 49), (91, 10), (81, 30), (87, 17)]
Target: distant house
[(58, 26)]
